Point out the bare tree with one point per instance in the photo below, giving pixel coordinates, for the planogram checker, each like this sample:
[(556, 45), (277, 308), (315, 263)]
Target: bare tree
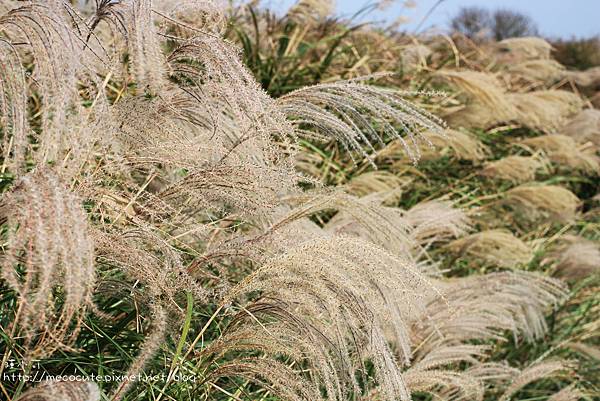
[(472, 22), (501, 24), (509, 24)]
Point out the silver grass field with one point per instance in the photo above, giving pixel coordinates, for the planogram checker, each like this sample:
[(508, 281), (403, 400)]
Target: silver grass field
[(202, 200)]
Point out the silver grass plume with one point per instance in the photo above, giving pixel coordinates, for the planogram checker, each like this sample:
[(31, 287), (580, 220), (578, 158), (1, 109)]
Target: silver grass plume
[(381, 184), (542, 202), (535, 72), (464, 146), (565, 151), (525, 48), (330, 293), (545, 110), (348, 111), (359, 218), (482, 307), (481, 88), (437, 220), (445, 384), (51, 34), (311, 11), (148, 63), (499, 247), (569, 393), (584, 127), (62, 391), (49, 246), (516, 169), (575, 257), (532, 373)]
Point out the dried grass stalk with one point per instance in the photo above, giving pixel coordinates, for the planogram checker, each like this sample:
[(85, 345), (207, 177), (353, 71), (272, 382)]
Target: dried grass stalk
[(587, 350)]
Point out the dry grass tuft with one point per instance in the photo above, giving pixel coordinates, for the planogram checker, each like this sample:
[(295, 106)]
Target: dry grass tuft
[(569, 393), (414, 57), (310, 11), (490, 104), (589, 78), (477, 115), (331, 298), (363, 218), (67, 129), (485, 306)]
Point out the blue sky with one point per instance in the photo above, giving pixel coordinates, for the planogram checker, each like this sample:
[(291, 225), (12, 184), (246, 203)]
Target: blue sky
[(555, 18)]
